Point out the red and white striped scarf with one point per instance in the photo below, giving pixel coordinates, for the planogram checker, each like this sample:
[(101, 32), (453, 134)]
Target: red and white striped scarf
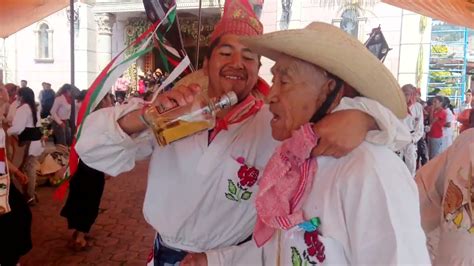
[(247, 108), (285, 183), (239, 113)]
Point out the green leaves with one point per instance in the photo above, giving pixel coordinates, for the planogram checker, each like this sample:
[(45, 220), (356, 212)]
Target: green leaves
[(230, 196), (232, 187), (236, 193), (246, 195), (295, 257)]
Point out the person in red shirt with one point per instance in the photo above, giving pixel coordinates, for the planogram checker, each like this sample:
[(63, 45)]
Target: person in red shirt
[(437, 120)]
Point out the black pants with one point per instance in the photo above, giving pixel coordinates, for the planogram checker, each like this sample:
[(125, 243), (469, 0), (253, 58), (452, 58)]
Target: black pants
[(164, 256), (15, 238), (422, 152), (85, 193)]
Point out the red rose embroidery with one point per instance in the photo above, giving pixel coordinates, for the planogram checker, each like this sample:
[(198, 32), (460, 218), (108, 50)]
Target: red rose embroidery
[(247, 176), (315, 246), (238, 191)]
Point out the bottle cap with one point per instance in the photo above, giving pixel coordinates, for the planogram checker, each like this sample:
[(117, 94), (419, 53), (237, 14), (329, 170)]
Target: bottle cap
[(227, 100), (232, 98)]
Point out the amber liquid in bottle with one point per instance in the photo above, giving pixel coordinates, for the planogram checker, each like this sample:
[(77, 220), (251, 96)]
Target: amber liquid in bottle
[(182, 121)]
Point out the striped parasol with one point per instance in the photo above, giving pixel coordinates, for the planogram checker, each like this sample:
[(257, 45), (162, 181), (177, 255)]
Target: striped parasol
[(459, 12)]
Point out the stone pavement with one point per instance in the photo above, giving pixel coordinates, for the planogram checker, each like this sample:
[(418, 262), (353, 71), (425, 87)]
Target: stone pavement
[(120, 235)]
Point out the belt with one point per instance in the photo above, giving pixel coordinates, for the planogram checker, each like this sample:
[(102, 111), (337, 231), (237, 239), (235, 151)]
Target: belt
[(164, 255)]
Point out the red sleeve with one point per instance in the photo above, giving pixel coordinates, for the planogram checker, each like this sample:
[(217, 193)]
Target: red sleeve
[(442, 117)]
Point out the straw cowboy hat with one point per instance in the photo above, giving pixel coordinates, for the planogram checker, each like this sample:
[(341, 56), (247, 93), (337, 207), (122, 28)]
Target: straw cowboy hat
[(339, 53), (49, 166)]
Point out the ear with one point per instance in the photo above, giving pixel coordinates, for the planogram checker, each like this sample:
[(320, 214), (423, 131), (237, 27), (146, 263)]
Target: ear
[(205, 66)]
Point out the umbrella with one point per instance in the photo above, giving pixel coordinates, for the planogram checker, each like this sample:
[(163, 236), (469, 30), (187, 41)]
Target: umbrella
[(18, 14), (459, 12)]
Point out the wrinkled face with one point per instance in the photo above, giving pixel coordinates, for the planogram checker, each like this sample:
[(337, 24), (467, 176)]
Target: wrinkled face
[(231, 67), (298, 91)]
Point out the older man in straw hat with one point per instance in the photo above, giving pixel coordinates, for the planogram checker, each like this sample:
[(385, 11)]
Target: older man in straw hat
[(361, 209), (200, 192)]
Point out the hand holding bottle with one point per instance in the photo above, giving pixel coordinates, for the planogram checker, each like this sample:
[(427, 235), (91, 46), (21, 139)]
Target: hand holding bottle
[(178, 96), (184, 111), (131, 123)]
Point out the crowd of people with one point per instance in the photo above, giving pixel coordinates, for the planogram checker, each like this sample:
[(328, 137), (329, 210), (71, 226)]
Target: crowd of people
[(332, 164), (433, 125), (22, 141)]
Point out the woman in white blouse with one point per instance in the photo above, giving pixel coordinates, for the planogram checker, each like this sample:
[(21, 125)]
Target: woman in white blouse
[(25, 121), (61, 113), (448, 127)]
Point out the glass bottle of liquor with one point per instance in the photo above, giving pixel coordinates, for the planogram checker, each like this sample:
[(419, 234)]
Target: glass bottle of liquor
[(182, 121)]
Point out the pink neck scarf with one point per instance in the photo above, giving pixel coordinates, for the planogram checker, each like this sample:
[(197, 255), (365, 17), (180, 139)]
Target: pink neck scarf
[(285, 183)]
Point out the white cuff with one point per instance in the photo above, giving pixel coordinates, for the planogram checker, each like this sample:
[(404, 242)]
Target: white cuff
[(393, 133)]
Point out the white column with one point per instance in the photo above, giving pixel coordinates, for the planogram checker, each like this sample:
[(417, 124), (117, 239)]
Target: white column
[(105, 22)]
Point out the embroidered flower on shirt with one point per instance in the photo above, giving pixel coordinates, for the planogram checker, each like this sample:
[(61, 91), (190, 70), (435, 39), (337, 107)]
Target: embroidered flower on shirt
[(315, 248), (247, 178)]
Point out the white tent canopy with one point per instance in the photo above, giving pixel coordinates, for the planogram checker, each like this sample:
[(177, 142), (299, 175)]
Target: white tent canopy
[(458, 12)]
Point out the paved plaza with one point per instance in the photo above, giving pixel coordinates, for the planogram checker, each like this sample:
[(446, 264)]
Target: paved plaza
[(120, 235)]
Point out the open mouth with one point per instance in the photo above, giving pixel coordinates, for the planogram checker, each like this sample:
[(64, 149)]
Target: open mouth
[(275, 118)]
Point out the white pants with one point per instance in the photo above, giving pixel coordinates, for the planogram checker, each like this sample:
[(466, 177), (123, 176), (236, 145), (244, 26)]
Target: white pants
[(408, 155)]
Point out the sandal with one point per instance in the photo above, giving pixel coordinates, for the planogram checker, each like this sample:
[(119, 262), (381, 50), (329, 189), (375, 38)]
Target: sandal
[(82, 246)]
